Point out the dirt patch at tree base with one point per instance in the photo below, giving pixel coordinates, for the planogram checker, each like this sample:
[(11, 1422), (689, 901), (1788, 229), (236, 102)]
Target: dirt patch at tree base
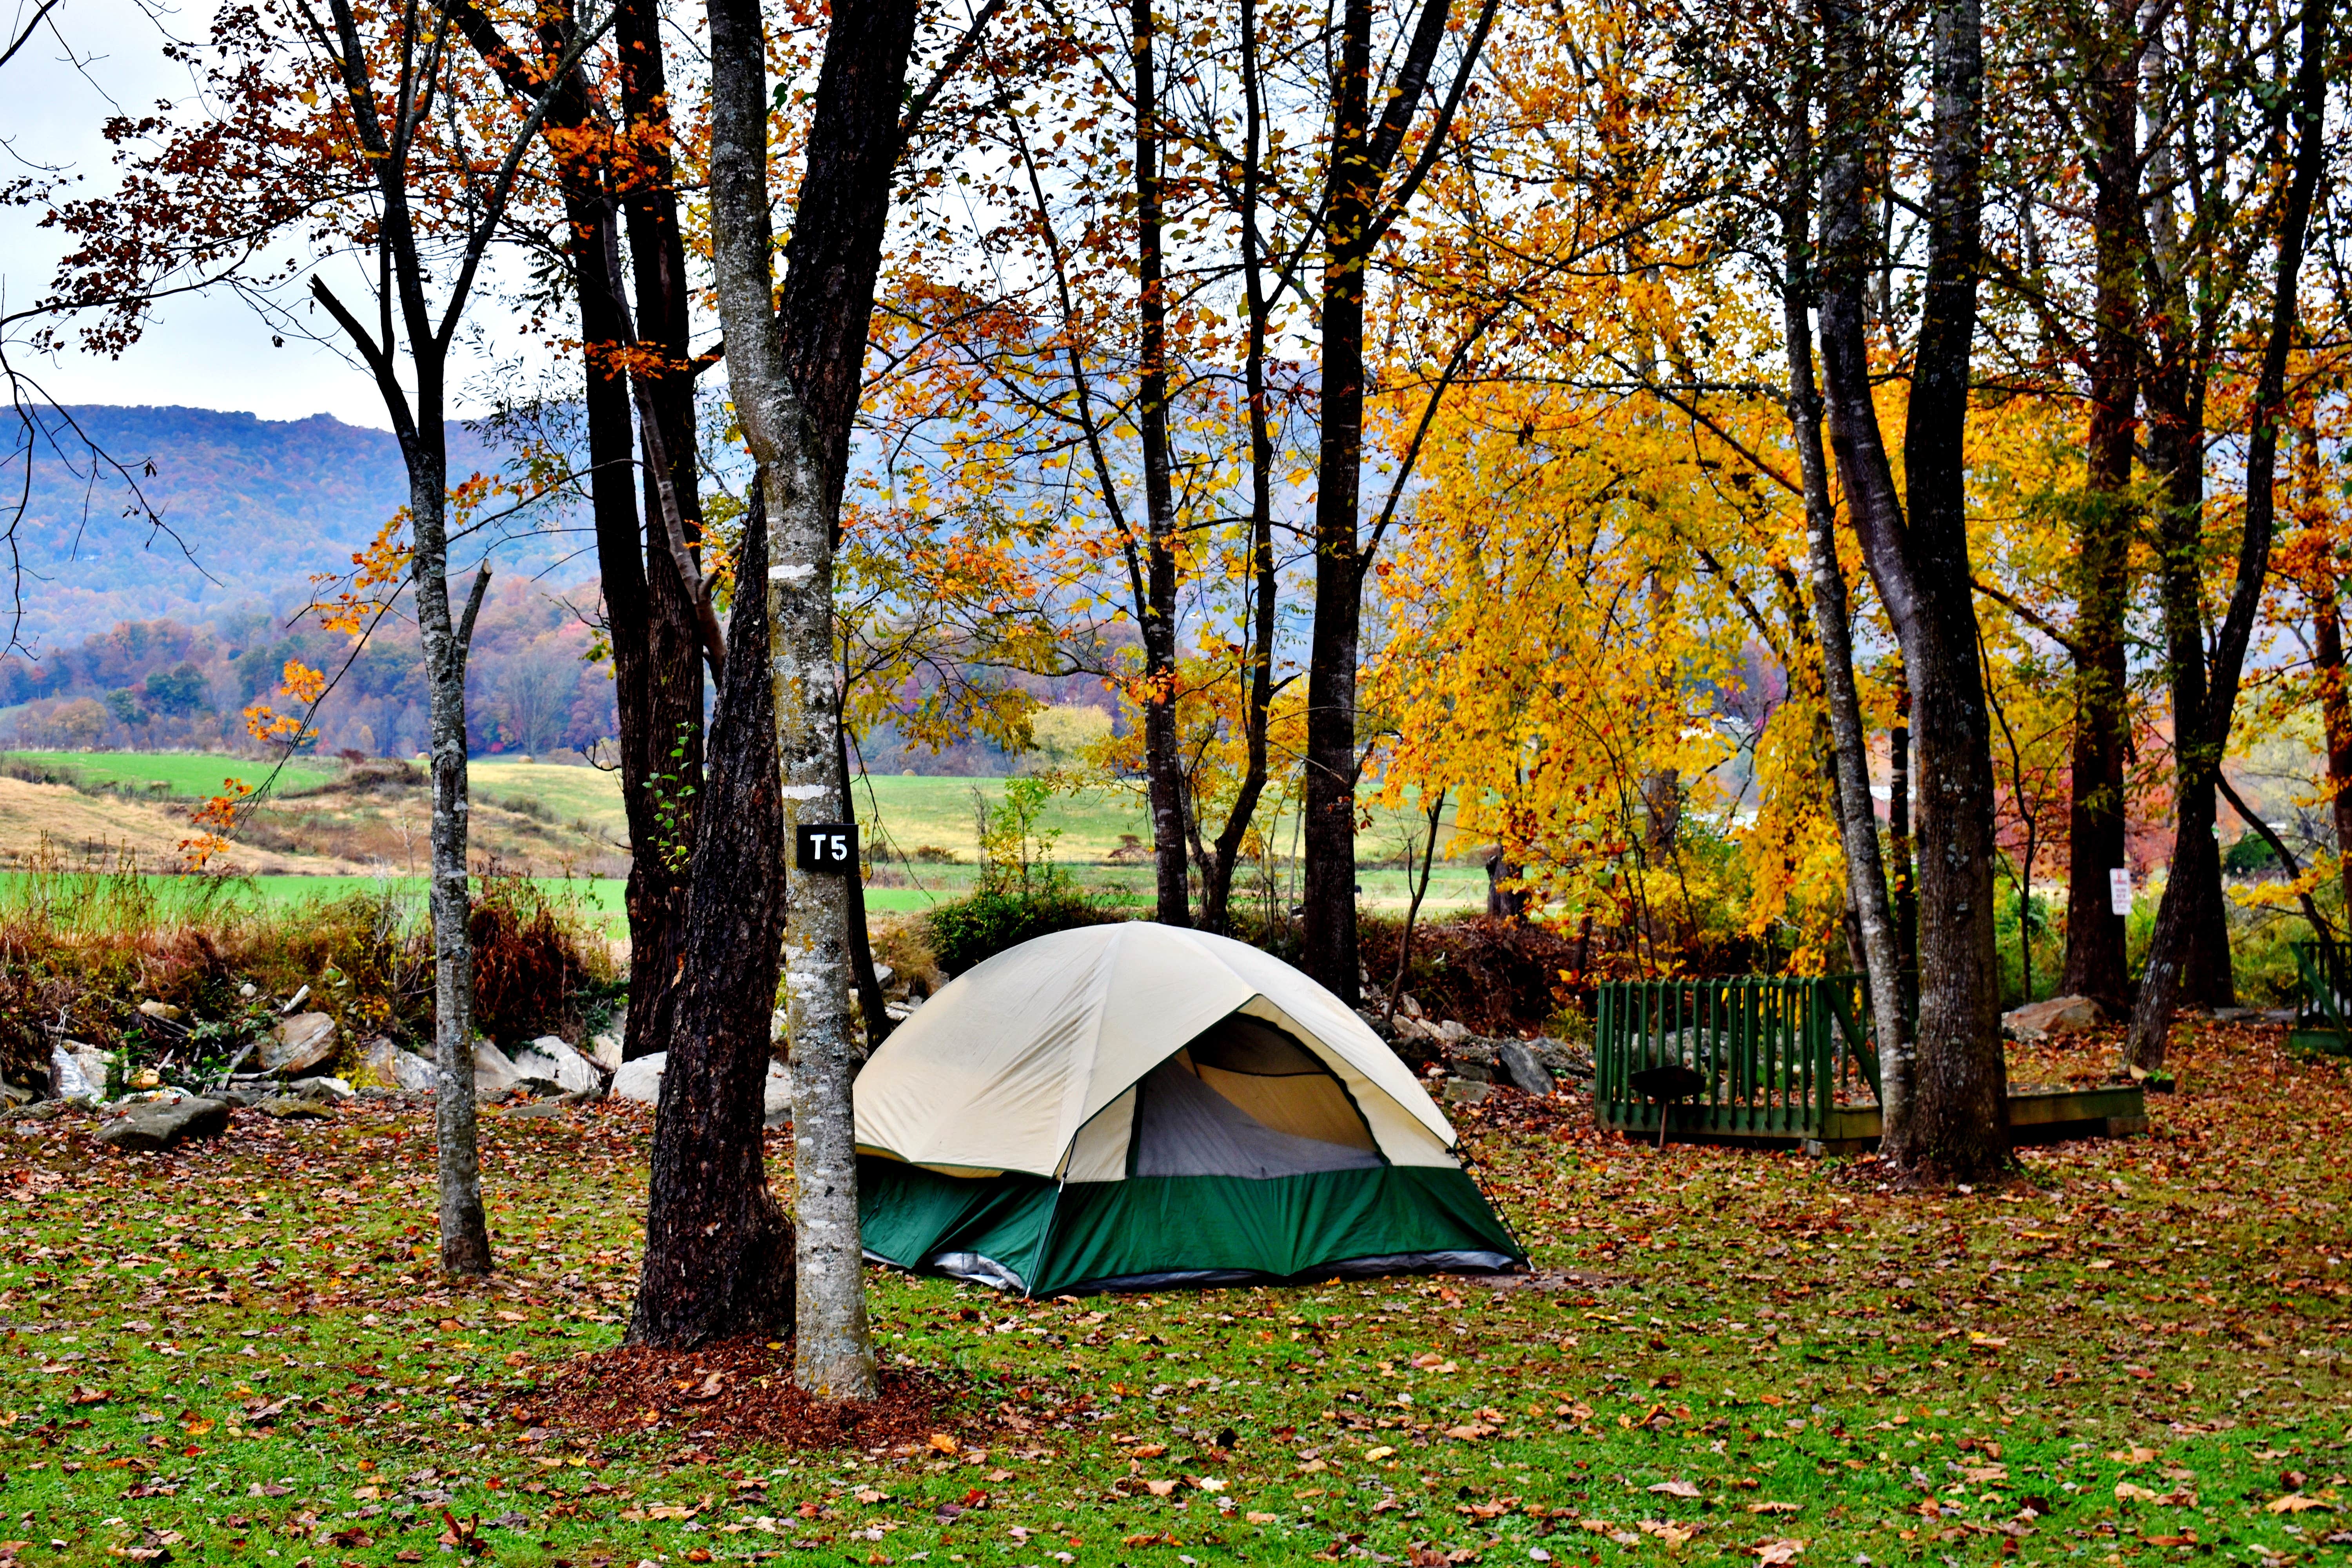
[(735, 1392)]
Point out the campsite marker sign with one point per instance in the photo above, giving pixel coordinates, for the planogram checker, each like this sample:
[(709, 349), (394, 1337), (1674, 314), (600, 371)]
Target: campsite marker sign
[(828, 847)]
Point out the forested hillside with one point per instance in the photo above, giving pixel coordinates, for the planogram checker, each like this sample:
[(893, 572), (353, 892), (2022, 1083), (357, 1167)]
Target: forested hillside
[(249, 508)]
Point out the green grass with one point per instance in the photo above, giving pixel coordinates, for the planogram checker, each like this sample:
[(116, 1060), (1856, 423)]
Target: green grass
[(186, 775), (1939, 1378)]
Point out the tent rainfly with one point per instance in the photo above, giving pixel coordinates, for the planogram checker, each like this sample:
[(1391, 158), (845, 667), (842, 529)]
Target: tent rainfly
[(1129, 1106)]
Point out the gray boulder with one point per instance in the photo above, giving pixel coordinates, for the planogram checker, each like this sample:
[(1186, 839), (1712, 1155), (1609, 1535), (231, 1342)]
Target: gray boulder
[(160, 1123), (296, 1108), (640, 1080), (604, 1049), (76, 1071), (298, 1044), (1523, 1069), (549, 1061), (2058, 1015), (386, 1064), (495, 1078), (778, 1109)]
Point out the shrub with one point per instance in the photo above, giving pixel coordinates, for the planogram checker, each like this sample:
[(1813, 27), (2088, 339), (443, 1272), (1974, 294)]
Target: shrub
[(82, 944), (971, 930), (1020, 892), (1497, 976), (904, 944), (534, 973)]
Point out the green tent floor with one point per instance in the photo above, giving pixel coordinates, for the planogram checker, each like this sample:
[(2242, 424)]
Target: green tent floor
[(1043, 1237)]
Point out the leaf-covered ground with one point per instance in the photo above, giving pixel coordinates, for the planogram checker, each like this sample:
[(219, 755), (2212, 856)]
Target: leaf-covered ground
[(2134, 1351)]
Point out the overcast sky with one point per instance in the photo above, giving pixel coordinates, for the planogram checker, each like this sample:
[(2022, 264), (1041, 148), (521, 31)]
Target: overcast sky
[(104, 56)]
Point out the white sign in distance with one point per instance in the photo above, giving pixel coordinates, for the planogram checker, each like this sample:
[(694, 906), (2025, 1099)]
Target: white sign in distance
[(2119, 891)]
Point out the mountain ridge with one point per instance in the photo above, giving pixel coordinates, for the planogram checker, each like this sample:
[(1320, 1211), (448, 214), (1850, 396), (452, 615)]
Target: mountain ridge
[(253, 507)]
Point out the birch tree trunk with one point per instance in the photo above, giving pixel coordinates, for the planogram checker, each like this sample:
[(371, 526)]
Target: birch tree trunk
[(835, 1355), (1866, 876)]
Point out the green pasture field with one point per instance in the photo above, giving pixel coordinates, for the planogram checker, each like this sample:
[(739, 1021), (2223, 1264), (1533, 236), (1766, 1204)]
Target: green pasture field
[(2129, 1352), (602, 898), (911, 811), (187, 775), (902, 814)]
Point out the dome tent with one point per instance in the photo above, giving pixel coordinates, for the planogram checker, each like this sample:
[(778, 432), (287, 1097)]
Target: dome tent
[(1133, 1105)]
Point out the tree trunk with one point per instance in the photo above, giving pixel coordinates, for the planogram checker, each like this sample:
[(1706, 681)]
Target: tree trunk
[(719, 1250), (1329, 808), (1333, 643), (870, 1005), (656, 668), (1164, 763), (659, 686), (465, 1231), (1218, 867), (2335, 715), (1901, 880), (1947, 1123), (2200, 747), (2106, 526), (1360, 155), (832, 261), (2319, 583), (1865, 879)]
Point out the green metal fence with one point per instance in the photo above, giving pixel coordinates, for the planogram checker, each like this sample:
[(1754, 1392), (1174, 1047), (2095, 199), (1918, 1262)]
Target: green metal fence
[(1776, 1055), (2323, 1013)]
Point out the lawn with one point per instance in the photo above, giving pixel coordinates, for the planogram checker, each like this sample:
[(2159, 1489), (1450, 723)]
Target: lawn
[(2132, 1351)]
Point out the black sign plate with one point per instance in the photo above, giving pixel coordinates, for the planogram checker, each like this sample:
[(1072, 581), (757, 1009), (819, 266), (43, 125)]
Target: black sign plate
[(826, 846)]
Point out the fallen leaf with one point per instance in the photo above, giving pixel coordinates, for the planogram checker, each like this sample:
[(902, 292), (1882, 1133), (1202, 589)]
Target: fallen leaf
[(1209, 1483), (1149, 1450), (944, 1443), (1676, 1488), (1776, 1551), (2132, 1456), (2126, 1492), (1776, 1507), (1161, 1489), (1382, 1452), (2298, 1502)]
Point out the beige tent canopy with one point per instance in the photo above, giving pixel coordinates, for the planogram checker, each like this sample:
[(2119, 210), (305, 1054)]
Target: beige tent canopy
[(1139, 1103)]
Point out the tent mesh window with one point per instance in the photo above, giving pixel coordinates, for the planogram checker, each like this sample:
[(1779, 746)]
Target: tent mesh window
[(1246, 1099)]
